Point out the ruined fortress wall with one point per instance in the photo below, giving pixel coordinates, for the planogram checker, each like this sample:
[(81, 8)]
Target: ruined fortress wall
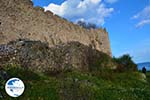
[(19, 19)]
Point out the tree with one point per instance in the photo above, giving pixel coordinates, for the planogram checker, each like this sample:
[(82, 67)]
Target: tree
[(86, 25), (91, 25), (125, 63)]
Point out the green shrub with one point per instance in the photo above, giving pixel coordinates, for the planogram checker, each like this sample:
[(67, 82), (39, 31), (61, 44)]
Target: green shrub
[(100, 62), (125, 63)]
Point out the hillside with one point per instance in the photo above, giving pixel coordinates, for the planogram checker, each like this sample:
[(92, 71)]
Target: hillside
[(19, 19), (80, 86)]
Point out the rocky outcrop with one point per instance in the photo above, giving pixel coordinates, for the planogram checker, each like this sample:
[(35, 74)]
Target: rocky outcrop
[(19, 19), (38, 56)]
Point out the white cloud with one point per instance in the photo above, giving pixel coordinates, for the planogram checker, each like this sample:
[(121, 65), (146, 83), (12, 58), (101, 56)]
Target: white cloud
[(111, 1), (143, 16), (142, 23), (89, 10)]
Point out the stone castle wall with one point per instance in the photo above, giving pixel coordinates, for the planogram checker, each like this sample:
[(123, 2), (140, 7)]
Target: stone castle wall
[(19, 19)]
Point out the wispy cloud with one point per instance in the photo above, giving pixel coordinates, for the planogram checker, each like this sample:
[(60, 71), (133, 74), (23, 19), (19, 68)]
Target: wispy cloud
[(143, 22), (143, 17), (111, 1), (94, 11)]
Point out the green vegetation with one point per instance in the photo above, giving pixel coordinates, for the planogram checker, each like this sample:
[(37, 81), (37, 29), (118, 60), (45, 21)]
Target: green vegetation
[(125, 63), (75, 85), (86, 25)]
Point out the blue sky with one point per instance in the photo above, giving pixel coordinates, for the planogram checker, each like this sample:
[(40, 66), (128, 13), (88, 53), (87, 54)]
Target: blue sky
[(127, 21)]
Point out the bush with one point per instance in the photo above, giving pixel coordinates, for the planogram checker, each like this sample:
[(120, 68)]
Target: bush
[(87, 25), (125, 63)]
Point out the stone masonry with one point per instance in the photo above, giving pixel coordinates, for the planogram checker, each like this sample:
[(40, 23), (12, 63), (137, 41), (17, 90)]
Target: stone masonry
[(20, 20)]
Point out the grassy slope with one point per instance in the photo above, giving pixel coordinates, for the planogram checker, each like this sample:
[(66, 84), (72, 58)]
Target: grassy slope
[(81, 86)]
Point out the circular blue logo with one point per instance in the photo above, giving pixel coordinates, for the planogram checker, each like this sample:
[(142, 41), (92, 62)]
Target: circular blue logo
[(14, 87)]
